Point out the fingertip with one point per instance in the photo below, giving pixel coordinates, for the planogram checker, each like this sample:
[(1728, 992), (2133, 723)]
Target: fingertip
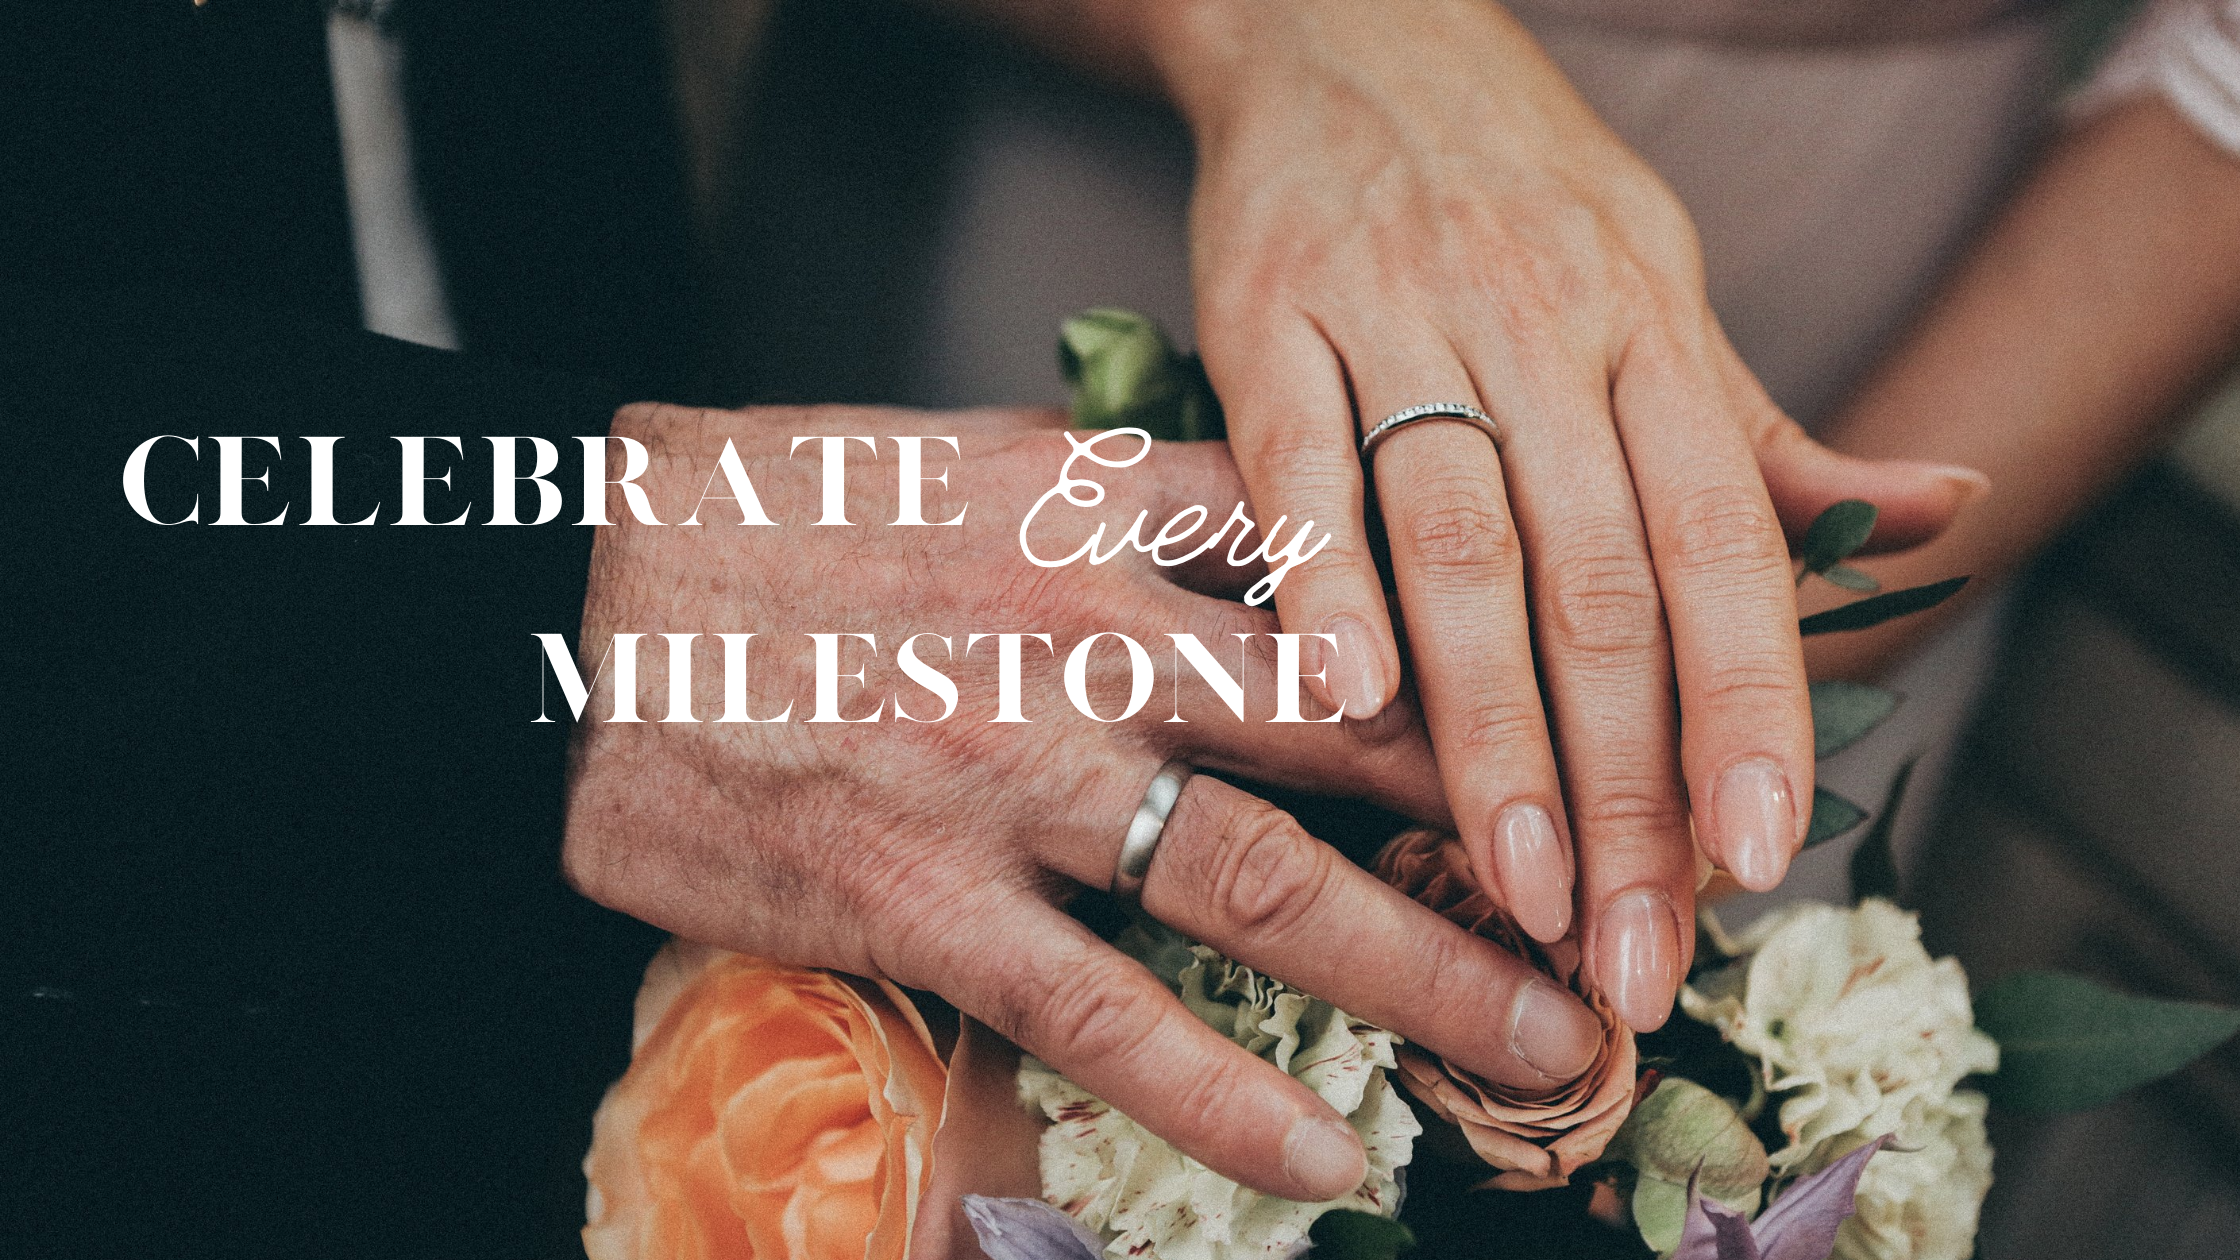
[(1533, 868), (1323, 1158), (1355, 676), (1756, 820), (1650, 1021), (1921, 502), (1915, 499), (1969, 484), (1554, 1033), (1637, 957), (1553, 923)]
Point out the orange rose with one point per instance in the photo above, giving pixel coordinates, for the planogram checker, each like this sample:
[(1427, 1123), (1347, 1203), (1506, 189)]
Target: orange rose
[(769, 1112), (1536, 1142)]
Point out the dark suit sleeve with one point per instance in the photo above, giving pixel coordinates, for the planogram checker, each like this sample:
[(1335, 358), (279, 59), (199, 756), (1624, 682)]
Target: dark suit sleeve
[(288, 967)]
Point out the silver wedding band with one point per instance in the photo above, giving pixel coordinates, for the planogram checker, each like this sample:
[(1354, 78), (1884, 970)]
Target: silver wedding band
[(1399, 420), (1147, 827)]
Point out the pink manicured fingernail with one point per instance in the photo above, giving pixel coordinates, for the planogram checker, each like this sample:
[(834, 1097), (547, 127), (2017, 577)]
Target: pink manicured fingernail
[(1973, 483), (1354, 671), (1755, 818), (1554, 1033), (1638, 957), (1323, 1158), (1534, 869)]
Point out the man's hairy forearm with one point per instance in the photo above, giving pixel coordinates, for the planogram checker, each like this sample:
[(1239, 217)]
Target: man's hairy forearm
[(2097, 303)]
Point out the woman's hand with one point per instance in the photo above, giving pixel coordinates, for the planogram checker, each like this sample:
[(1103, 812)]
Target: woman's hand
[(1406, 203), (932, 849)]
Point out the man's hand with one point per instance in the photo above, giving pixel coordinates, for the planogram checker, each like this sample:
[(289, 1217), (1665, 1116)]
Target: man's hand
[(934, 852)]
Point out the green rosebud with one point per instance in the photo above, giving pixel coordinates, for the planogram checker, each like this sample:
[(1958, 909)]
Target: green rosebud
[(1682, 1128), (1126, 374), (1660, 1212)]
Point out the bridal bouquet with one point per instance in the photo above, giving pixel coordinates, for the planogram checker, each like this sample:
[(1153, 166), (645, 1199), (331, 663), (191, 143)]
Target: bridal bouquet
[(1820, 1093)]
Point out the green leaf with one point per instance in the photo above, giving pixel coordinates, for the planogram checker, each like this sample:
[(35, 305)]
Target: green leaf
[(1881, 608), (1874, 868), (1345, 1234), (2066, 1043), (1851, 579), (1831, 817), (1843, 713), (1836, 533)]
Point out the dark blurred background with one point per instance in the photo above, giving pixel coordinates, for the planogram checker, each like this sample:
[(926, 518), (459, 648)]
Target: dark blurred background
[(734, 201)]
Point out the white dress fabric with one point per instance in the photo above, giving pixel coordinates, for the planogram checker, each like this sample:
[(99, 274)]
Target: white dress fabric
[(2189, 51), (400, 279)]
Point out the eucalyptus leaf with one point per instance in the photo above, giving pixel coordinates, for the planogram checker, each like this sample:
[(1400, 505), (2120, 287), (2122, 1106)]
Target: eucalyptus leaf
[(1874, 866), (2066, 1044), (1843, 713), (1867, 613), (1345, 1234), (1851, 579), (1831, 817), (1836, 533)]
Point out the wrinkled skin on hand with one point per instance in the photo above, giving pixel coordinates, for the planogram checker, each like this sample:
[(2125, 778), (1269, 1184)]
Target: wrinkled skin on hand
[(1406, 203), (934, 853)]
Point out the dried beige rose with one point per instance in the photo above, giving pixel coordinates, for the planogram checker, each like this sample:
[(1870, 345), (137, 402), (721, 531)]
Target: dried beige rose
[(1535, 1141)]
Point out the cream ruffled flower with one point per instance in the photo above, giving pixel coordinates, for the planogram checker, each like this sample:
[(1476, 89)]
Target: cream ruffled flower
[(1920, 1202), (1867, 1036), (1147, 1199), (1848, 1016)]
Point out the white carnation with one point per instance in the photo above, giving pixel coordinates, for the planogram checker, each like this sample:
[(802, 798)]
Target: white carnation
[(1920, 1203), (1147, 1199), (1851, 1020)]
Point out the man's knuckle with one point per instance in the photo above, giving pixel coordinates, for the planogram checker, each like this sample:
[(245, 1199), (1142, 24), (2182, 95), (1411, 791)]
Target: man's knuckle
[(1265, 875), (1445, 963), (1217, 1090), (906, 894), (1095, 1015)]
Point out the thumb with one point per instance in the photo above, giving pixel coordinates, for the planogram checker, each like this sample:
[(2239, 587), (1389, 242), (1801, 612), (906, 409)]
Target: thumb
[(1915, 500)]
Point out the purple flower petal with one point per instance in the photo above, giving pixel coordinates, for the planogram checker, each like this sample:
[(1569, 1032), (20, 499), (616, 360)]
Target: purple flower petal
[(1802, 1223), (1714, 1231), (1028, 1229), (1733, 1228)]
